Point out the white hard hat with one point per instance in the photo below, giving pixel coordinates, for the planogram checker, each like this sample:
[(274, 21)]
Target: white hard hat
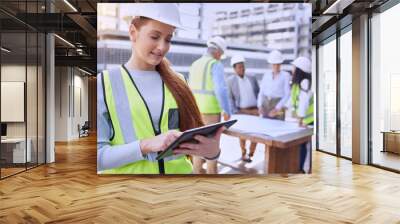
[(303, 63), (237, 59), (167, 13), (275, 57), (218, 42)]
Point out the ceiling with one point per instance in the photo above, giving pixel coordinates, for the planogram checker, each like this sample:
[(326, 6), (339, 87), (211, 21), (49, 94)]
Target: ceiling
[(331, 15), (73, 21)]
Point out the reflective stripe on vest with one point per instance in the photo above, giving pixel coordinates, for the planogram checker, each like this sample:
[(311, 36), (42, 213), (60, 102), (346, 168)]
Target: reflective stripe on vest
[(201, 83), (310, 112), (295, 93), (295, 96), (131, 121)]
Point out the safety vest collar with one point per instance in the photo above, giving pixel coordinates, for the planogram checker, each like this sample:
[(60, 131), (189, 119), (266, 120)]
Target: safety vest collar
[(145, 103)]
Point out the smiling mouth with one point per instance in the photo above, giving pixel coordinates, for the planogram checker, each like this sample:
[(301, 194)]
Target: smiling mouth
[(157, 55)]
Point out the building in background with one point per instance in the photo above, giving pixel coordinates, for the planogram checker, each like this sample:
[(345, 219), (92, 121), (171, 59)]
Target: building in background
[(114, 48), (252, 31), (281, 26), (192, 16)]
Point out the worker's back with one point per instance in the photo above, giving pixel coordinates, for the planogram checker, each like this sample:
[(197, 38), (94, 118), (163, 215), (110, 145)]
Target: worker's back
[(201, 83), (198, 72)]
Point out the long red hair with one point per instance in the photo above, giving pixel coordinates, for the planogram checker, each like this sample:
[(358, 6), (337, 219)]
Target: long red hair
[(189, 113)]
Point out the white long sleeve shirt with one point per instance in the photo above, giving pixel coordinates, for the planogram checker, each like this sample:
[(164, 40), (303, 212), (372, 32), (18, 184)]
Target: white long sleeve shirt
[(149, 84), (276, 87), (304, 98), (247, 96)]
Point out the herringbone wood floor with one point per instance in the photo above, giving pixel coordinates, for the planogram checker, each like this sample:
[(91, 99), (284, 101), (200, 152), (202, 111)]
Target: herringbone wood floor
[(69, 191)]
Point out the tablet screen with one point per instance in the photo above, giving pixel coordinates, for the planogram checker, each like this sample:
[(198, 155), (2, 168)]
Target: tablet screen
[(188, 136)]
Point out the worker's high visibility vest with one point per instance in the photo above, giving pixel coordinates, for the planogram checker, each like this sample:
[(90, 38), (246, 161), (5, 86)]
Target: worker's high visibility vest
[(131, 120), (201, 83), (295, 93)]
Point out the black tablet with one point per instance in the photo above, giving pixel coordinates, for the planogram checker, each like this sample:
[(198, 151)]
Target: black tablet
[(187, 136)]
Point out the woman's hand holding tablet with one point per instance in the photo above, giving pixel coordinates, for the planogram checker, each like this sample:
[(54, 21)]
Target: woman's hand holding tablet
[(182, 145)]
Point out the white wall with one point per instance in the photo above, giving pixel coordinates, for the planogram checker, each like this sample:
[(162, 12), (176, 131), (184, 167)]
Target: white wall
[(71, 94), (13, 73), (80, 100), (61, 103)]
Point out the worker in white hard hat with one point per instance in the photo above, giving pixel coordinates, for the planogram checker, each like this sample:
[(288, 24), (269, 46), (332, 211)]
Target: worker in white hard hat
[(143, 105), (206, 79), (243, 91), (274, 89), (301, 95), (302, 104)]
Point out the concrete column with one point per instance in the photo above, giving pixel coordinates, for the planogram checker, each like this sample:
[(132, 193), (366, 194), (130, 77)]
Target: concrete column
[(50, 99), (314, 89), (50, 92), (360, 90), (62, 103)]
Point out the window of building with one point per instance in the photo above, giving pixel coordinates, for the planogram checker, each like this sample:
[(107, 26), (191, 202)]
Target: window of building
[(327, 96), (245, 13), (258, 10), (22, 79), (346, 93), (221, 16), (233, 15), (385, 89)]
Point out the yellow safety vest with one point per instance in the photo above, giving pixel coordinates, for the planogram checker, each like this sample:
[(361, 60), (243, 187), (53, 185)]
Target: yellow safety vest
[(295, 93), (136, 112), (201, 83)]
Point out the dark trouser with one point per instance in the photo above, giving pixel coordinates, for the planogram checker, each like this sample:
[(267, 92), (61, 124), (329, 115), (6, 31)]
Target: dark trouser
[(304, 149), (253, 145)]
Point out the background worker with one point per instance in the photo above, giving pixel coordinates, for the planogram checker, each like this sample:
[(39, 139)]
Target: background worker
[(144, 105), (206, 79), (302, 104), (302, 101), (274, 89), (243, 91)]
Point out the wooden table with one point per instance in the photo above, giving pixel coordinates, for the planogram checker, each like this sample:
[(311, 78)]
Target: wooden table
[(282, 153), (391, 141)]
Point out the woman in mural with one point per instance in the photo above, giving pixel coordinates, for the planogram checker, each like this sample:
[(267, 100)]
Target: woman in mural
[(143, 105)]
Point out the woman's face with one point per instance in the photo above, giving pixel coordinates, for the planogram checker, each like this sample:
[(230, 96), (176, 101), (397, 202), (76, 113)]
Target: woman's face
[(151, 42)]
